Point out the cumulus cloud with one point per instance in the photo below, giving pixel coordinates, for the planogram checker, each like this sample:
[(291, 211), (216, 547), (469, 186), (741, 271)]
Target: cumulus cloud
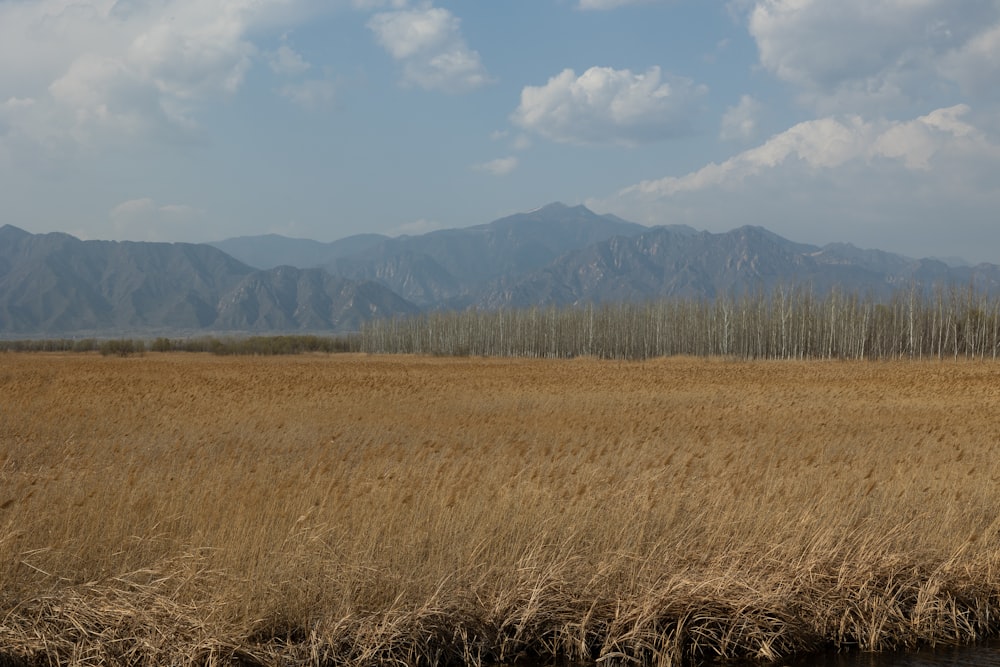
[(612, 4), (428, 42), (853, 54), (739, 123), (499, 167), (605, 105), (883, 183), (286, 61), (975, 64), (97, 71), (311, 94), (829, 143), (143, 219), (200, 49)]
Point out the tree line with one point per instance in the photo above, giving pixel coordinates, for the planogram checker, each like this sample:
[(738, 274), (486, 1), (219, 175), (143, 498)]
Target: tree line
[(786, 323)]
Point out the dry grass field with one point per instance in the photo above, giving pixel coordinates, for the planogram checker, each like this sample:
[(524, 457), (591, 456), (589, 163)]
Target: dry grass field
[(347, 509)]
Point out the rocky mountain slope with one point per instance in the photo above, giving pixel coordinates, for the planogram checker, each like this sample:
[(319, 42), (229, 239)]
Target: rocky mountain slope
[(451, 265), (55, 284), (662, 263)]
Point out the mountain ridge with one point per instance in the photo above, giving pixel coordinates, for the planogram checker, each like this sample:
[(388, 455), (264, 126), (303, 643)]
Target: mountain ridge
[(448, 264), (54, 283), (270, 251)]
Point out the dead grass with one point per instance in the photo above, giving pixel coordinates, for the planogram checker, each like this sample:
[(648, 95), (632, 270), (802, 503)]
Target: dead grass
[(355, 510)]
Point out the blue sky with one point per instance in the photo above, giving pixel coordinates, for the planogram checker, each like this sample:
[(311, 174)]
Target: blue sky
[(869, 121)]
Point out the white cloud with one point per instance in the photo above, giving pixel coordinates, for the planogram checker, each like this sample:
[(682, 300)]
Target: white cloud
[(740, 122), (428, 42), (975, 65), (105, 73), (286, 61), (311, 94), (409, 33), (144, 219), (612, 4), (829, 143), (605, 105), (853, 54), (498, 167), (521, 142), (888, 184), (195, 49)]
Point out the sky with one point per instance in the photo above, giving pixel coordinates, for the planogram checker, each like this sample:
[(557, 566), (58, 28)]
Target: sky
[(874, 122)]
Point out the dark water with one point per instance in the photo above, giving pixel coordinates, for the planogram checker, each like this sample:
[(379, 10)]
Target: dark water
[(981, 655)]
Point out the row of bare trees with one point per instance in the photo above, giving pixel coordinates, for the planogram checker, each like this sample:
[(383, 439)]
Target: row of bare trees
[(787, 323)]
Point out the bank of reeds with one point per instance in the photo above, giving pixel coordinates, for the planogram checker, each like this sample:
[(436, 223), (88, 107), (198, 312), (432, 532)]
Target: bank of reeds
[(223, 346), (357, 510), (787, 323), (257, 345)]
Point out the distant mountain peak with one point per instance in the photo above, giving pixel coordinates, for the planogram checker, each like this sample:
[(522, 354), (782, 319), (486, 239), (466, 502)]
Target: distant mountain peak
[(557, 206), (10, 231)]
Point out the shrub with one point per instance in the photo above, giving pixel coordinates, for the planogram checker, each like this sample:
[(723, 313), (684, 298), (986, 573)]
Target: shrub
[(122, 347)]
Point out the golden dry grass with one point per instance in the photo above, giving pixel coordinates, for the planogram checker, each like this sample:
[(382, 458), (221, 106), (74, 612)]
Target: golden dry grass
[(364, 510)]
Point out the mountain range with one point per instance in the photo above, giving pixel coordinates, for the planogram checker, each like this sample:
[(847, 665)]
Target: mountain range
[(55, 284)]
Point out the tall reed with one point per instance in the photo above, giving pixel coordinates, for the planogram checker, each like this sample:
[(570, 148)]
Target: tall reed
[(360, 510)]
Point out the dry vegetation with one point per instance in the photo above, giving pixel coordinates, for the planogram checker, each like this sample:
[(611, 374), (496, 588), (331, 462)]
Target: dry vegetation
[(172, 509)]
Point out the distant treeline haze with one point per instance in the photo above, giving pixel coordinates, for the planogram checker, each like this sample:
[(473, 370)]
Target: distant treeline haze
[(788, 323)]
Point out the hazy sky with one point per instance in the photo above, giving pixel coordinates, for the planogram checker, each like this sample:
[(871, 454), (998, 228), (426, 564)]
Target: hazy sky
[(870, 121)]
